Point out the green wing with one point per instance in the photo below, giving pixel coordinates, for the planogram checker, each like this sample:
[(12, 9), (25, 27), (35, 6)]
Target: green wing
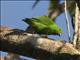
[(41, 22), (37, 24), (43, 25), (44, 20)]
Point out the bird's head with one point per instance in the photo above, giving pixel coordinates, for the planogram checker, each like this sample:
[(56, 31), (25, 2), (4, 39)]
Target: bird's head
[(60, 31), (56, 30)]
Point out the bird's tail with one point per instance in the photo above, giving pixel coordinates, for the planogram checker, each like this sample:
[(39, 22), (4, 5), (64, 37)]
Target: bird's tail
[(28, 21)]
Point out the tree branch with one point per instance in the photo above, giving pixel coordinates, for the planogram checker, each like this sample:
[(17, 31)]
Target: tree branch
[(67, 22), (32, 45), (78, 42), (76, 26)]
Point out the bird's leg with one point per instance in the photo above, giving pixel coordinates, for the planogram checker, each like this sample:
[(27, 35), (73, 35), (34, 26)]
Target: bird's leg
[(30, 30), (44, 36)]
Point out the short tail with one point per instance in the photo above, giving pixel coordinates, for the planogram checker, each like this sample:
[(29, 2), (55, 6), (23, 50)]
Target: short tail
[(27, 20)]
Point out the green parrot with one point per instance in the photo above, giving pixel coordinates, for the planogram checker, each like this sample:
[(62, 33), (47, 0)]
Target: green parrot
[(43, 25)]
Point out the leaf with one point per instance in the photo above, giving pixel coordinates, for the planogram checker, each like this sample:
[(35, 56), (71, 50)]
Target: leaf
[(34, 5)]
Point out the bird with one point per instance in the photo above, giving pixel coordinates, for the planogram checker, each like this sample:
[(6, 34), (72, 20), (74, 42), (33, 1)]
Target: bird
[(43, 25)]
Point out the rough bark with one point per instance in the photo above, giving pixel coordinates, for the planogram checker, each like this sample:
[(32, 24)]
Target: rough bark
[(11, 56), (79, 32), (32, 45), (75, 38)]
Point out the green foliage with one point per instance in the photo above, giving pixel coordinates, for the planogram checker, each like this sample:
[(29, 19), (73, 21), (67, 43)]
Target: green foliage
[(53, 5), (44, 25)]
